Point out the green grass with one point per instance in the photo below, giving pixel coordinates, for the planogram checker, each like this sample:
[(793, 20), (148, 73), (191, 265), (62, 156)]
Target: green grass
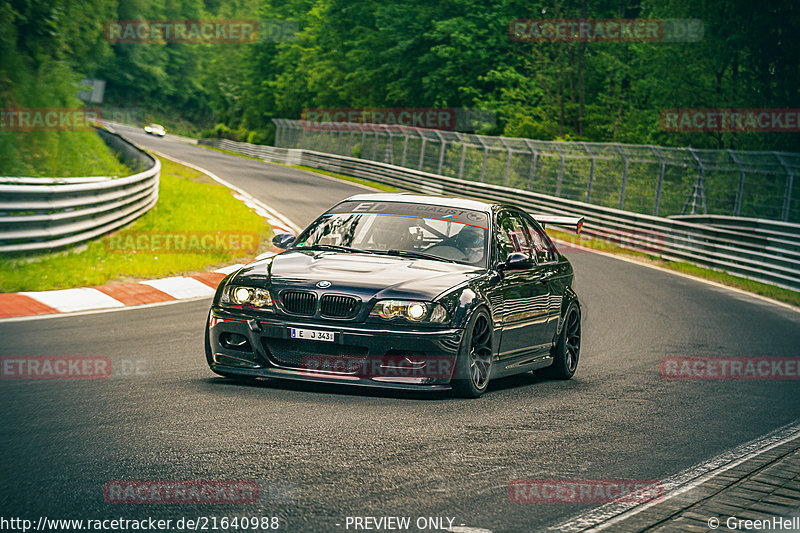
[(188, 202), (763, 289), (57, 154), (48, 152)]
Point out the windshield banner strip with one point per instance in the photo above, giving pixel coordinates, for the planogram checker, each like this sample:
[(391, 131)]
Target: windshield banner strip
[(470, 217), (411, 216)]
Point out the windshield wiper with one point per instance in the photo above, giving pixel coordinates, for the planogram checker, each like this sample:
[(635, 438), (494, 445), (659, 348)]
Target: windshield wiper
[(417, 255), (334, 247)]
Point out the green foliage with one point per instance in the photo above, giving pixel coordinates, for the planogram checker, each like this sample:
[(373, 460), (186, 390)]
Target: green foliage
[(42, 44), (241, 134), (57, 154), (367, 53)]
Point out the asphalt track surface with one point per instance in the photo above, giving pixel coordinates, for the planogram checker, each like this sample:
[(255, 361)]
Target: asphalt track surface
[(321, 454)]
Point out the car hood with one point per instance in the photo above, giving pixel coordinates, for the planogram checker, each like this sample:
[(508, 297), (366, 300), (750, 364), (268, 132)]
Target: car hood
[(364, 275)]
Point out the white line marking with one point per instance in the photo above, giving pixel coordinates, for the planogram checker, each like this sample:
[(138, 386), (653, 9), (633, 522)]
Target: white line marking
[(230, 268), (611, 513), (681, 274), (284, 220), (99, 311), (277, 225), (180, 287), (67, 300)]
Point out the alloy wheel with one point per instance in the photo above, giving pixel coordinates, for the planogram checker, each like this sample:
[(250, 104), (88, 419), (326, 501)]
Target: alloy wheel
[(480, 353)]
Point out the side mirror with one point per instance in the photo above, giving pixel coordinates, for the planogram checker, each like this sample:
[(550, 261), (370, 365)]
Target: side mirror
[(517, 261), (283, 240)]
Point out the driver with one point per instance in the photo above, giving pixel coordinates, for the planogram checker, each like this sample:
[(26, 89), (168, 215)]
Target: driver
[(470, 241), (393, 233)]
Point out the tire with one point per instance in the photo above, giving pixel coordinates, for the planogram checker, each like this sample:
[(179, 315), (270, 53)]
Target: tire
[(474, 363), (567, 349)]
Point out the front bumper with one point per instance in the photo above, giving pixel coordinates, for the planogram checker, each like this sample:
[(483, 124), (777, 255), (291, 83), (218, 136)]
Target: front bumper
[(367, 355)]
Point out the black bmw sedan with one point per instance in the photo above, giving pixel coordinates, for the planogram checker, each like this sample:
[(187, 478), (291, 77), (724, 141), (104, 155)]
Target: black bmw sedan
[(402, 291)]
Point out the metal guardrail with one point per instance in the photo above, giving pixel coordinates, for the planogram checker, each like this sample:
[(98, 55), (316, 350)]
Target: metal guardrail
[(649, 179), (770, 258), (286, 156), (48, 213), (771, 229)]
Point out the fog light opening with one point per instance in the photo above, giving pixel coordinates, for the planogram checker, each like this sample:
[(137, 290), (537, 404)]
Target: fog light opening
[(234, 341)]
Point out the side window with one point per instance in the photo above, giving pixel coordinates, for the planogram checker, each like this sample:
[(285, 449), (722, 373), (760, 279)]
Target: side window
[(512, 236), (543, 247)]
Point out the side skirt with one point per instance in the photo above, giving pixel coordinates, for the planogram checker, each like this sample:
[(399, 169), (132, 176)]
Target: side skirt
[(525, 364)]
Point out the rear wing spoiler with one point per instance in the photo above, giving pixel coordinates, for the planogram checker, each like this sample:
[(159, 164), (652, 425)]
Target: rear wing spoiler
[(571, 223)]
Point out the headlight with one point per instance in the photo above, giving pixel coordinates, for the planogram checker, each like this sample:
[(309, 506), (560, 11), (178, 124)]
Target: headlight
[(242, 295), (413, 311), (246, 295)]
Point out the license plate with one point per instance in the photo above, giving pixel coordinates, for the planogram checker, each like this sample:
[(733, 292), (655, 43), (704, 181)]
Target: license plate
[(312, 334)]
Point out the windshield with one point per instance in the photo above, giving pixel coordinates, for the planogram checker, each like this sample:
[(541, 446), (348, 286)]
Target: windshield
[(402, 229)]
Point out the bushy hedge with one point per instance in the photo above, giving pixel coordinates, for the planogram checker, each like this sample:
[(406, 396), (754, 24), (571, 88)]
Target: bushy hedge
[(222, 131)]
